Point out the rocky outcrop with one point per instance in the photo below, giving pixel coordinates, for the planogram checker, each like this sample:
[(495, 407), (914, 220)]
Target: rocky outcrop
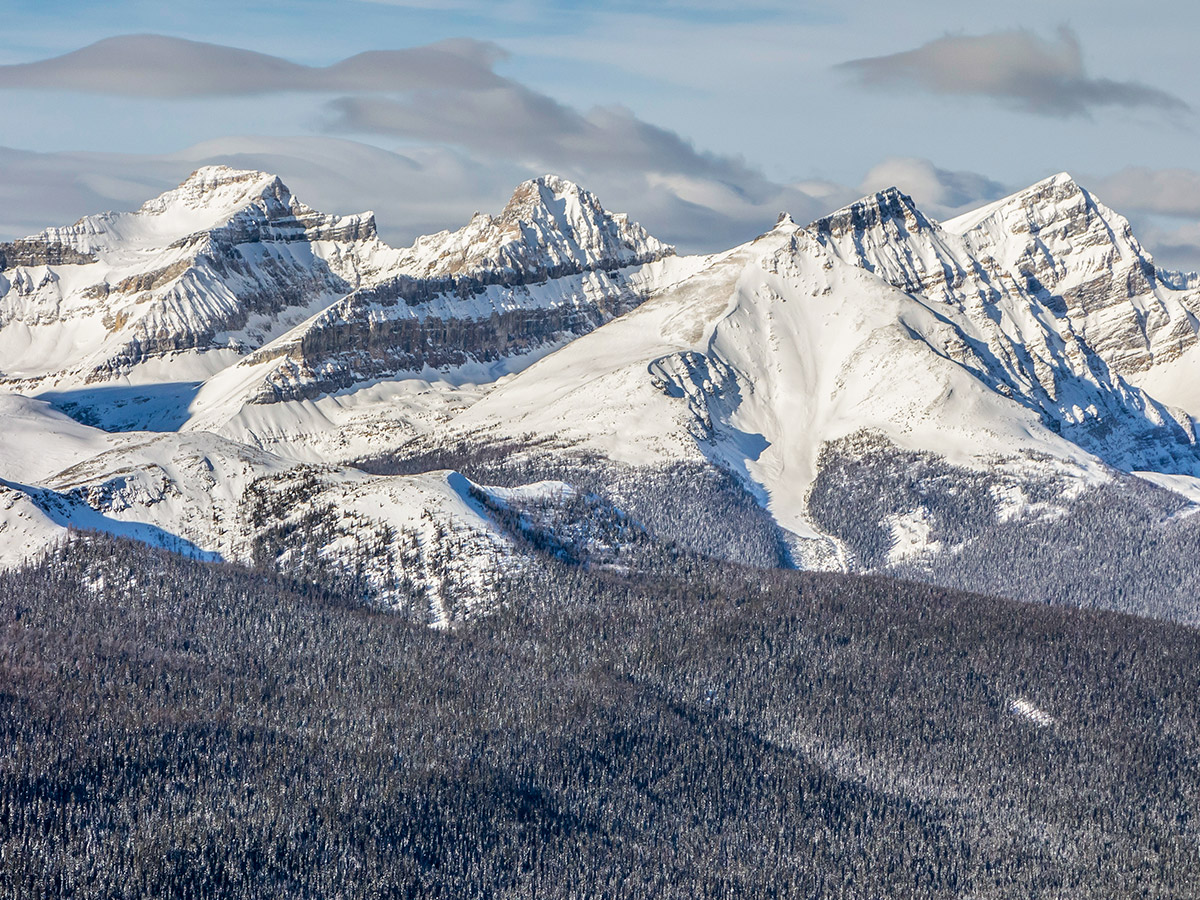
[(336, 356), (37, 251)]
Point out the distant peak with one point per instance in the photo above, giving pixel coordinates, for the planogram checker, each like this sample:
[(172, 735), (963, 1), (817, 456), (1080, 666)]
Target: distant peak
[(540, 193), (550, 227), (556, 183), (891, 199), (222, 188), (1059, 185), (785, 220), (871, 211), (1045, 199)]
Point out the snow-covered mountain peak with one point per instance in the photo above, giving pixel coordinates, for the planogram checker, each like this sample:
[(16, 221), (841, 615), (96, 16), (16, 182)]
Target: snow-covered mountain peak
[(885, 233), (1059, 240), (543, 196), (220, 188), (549, 227), (230, 204), (1056, 210), (228, 259), (891, 210)]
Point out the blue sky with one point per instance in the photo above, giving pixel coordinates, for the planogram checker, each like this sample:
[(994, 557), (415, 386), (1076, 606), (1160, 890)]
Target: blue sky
[(700, 119)]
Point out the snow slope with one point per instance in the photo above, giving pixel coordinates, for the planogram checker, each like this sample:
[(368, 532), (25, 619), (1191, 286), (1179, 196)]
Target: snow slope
[(758, 361)]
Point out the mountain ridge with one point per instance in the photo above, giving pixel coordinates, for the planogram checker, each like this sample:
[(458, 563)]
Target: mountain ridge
[(1014, 357)]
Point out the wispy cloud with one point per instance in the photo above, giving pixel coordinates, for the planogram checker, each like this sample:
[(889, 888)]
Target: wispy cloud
[(148, 65), (1172, 192), (1163, 205), (713, 11), (1015, 67), (413, 193), (513, 121), (447, 93), (446, 101)]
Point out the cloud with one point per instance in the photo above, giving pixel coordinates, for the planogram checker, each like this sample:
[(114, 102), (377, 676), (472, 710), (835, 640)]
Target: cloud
[(1171, 192), (519, 123), (714, 11), (446, 103), (938, 192), (1163, 206), (696, 200), (446, 94), (1015, 67), (414, 193), (149, 65), (1174, 248)]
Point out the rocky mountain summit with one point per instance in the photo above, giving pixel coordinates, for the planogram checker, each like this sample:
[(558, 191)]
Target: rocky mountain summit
[(244, 377)]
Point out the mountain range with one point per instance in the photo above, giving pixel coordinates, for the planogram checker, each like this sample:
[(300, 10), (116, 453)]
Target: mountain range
[(1005, 402)]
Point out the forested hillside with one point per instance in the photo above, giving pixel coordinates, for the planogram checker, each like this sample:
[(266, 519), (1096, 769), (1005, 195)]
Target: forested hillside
[(180, 729)]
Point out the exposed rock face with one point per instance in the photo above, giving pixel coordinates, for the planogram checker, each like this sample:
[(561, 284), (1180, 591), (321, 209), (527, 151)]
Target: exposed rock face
[(347, 346), (39, 252)]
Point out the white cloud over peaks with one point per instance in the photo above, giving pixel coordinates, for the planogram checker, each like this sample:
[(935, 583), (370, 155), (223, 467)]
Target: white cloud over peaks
[(1173, 192), (1163, 206), (154, 65), (1014, 67), (446, 100)]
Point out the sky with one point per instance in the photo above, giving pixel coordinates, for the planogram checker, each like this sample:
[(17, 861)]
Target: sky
[(702, 120)]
